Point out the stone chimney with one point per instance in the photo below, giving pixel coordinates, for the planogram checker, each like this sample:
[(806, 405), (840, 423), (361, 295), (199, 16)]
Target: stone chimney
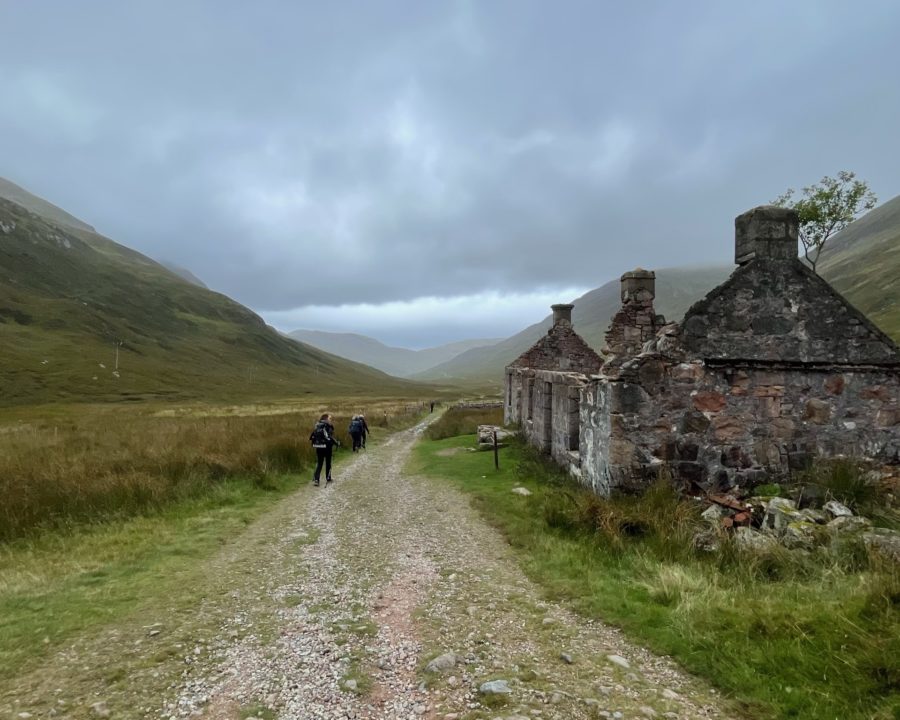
[(562, 313), (636, 322), (766, 231), (636, 281)]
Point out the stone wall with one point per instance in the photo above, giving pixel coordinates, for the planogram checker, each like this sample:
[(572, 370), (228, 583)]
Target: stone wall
[(779, 311), (539, 430), (519, 393), (554, 425), (714, 428)]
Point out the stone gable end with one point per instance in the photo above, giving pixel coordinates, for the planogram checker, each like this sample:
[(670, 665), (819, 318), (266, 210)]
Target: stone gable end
[(780, 311), (560, 349)]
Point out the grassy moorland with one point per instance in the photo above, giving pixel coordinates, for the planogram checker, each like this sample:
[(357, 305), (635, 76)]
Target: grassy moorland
[(74, 464), (108, 512), (786, 635)]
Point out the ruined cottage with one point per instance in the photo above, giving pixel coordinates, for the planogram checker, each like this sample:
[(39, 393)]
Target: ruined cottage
[(769, 371)]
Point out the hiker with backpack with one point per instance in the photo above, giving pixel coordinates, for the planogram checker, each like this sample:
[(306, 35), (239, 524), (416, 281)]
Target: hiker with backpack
[(365, 430), (324, 441), (356, 432)]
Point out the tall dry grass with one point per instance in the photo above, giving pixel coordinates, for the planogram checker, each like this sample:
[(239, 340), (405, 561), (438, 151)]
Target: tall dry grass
[(102, 465)]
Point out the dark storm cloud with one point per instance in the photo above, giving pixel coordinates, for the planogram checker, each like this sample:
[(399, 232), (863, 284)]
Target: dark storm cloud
[(335, 153)]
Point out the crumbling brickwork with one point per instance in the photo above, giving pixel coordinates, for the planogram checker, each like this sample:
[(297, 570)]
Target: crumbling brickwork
[(636, 322), (543, 388), (770, 370)]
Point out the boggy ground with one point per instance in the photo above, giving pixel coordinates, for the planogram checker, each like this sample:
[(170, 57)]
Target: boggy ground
[(331, 605)]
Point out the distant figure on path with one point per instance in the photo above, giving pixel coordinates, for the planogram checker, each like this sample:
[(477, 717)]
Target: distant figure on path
[(365, 430), (432, 406), (323, 440), (356, 431)]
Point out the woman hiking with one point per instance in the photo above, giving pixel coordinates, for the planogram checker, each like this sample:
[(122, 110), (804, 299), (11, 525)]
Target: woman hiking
[(323, 440)]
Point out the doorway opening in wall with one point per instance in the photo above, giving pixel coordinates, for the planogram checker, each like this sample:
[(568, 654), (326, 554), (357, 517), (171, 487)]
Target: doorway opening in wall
[(509, 391), (548, 416), (574, 419), (530, 390)]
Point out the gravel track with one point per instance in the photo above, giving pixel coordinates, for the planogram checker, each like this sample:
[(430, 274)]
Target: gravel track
[(379, 573), (332, 604)]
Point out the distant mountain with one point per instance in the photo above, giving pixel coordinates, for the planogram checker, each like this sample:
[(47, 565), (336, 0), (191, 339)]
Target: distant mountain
[(39, 206), (676, 290), (183, 273), (400, 362), (70, 298), (862, 262)]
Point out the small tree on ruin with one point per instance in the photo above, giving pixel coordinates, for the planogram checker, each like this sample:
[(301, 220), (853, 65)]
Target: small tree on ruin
[(826, 208)]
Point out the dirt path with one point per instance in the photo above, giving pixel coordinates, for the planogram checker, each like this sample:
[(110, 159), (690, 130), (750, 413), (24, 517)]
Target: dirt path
[(331, 606), (380, 573)]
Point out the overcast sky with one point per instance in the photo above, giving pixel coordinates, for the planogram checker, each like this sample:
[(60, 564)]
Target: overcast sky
[(429, 170)]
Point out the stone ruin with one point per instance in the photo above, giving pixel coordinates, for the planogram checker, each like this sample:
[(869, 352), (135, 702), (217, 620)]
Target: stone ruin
[(772, 369)]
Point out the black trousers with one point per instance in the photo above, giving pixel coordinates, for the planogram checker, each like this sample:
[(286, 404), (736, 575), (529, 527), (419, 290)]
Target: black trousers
[(323, 455), (357, 440)]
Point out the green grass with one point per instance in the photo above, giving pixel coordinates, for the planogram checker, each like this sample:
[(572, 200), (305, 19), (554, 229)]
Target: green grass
[(61, 584), (784, 636)]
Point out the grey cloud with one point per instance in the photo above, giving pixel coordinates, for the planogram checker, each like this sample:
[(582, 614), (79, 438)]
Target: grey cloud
[(374, 152)]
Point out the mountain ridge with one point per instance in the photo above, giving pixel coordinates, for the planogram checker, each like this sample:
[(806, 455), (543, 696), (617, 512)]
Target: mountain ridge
[(397, 361), (43, 208)]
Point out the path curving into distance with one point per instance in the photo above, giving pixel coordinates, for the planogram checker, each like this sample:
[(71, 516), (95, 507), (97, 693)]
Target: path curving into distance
[(379, 573)]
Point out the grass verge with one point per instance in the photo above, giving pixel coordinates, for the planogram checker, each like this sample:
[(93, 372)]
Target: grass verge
[(60, 584), (784, 635)]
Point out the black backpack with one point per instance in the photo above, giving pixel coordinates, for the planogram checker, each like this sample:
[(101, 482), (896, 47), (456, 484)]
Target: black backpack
[(319, 436), (355, 426)]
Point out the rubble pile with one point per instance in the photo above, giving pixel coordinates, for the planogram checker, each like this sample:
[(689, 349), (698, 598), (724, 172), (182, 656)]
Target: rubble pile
[(761, 522)]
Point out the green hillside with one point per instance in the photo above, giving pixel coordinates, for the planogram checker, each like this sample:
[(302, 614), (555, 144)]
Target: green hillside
[(862, 262), (401, 362), (68, 296)]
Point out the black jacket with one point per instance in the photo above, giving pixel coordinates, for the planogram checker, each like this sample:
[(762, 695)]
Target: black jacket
[(323, 435)]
